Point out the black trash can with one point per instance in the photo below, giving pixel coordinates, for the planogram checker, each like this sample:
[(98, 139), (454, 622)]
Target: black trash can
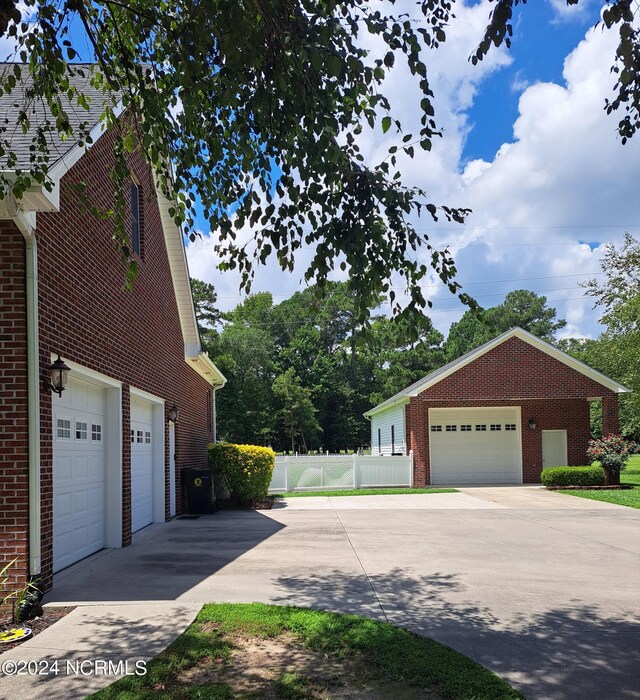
[(199, 490)]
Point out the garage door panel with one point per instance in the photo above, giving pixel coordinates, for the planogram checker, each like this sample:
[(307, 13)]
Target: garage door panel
[(62, 470), (80, 501), (78, 474), (480, 445), (141, 464), (80, 469), (62, 506)]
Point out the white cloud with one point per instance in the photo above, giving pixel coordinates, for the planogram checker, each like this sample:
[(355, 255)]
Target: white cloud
[(519, 82), (565, 178), (571, 13), (9, 45)]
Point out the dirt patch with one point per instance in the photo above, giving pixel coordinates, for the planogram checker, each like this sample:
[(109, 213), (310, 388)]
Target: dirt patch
[(36, 625), (280, 668)]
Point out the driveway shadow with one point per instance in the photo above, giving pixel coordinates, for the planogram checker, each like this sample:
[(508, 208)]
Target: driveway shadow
[(165, 560), (569, 652)]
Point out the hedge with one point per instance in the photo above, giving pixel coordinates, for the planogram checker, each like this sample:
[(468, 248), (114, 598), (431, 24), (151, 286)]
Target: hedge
[(245, 469), (573, 476)]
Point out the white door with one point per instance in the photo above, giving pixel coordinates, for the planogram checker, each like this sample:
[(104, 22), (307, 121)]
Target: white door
[(78, 472), (475, 445), (141, 463), (554, 448)]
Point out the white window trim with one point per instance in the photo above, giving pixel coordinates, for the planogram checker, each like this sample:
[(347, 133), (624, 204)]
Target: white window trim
[(86, 431), (63, 416)]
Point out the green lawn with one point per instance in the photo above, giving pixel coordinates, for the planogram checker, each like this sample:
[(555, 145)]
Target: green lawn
[(631, 498), (259, 651), (361, 492)]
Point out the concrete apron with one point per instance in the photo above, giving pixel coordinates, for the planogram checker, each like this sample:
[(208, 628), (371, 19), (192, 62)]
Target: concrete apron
[(529, 583)]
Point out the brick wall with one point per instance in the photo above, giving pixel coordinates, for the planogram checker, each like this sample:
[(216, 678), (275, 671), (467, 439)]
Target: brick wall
[(14, 444), (132, 336), (515, 374)]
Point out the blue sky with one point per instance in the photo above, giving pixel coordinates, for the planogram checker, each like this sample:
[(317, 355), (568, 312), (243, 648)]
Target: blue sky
[(541, 42), (527, 146)]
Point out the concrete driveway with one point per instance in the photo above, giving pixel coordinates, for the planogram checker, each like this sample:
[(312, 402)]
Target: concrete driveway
[(542, 588)]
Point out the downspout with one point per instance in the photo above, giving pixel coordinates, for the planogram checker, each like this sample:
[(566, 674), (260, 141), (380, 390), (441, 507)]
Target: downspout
[(214, 431), (27, 228)]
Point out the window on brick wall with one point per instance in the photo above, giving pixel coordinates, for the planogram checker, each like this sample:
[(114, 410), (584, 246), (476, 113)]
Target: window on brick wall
[(136, 233)]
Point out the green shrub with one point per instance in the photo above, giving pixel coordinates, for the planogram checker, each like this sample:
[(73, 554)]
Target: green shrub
[(573, 476), (245, 469)]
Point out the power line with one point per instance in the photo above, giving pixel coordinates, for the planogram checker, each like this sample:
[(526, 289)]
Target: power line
[(484, 245), (438, 286)]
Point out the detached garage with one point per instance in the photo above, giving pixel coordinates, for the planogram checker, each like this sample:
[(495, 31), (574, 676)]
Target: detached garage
[(497, 415)]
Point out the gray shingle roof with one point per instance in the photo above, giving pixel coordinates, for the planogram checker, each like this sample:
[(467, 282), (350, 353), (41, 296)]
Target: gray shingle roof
[(38, 112)]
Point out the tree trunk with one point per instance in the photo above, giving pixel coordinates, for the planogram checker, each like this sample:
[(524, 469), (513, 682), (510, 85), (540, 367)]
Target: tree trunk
[(611, 477)]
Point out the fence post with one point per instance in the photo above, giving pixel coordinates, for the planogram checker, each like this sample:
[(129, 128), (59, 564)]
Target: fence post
[(286, 473), (411, 467), (356, 472)]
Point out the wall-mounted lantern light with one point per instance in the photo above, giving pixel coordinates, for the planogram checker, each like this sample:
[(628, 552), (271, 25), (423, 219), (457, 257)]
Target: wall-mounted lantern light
[(173, 414), (57, 379), (532, 423)]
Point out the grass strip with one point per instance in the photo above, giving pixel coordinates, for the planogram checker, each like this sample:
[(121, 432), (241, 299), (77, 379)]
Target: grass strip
[(629, 498), (361, 492), (382, 653)]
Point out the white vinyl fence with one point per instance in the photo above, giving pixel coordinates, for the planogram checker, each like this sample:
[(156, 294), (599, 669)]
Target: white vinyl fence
[(320, 472)]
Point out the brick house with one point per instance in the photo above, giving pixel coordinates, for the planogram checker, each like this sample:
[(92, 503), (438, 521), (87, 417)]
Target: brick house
[(88, 468), (499, 414)]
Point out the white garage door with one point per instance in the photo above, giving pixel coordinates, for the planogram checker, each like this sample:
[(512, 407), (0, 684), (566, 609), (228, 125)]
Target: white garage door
[(78, 472), (141, 464), (475, 446)]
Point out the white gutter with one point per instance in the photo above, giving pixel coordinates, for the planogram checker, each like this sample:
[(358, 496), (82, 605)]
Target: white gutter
[(402, 401), (214, 431), (27, 225)]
